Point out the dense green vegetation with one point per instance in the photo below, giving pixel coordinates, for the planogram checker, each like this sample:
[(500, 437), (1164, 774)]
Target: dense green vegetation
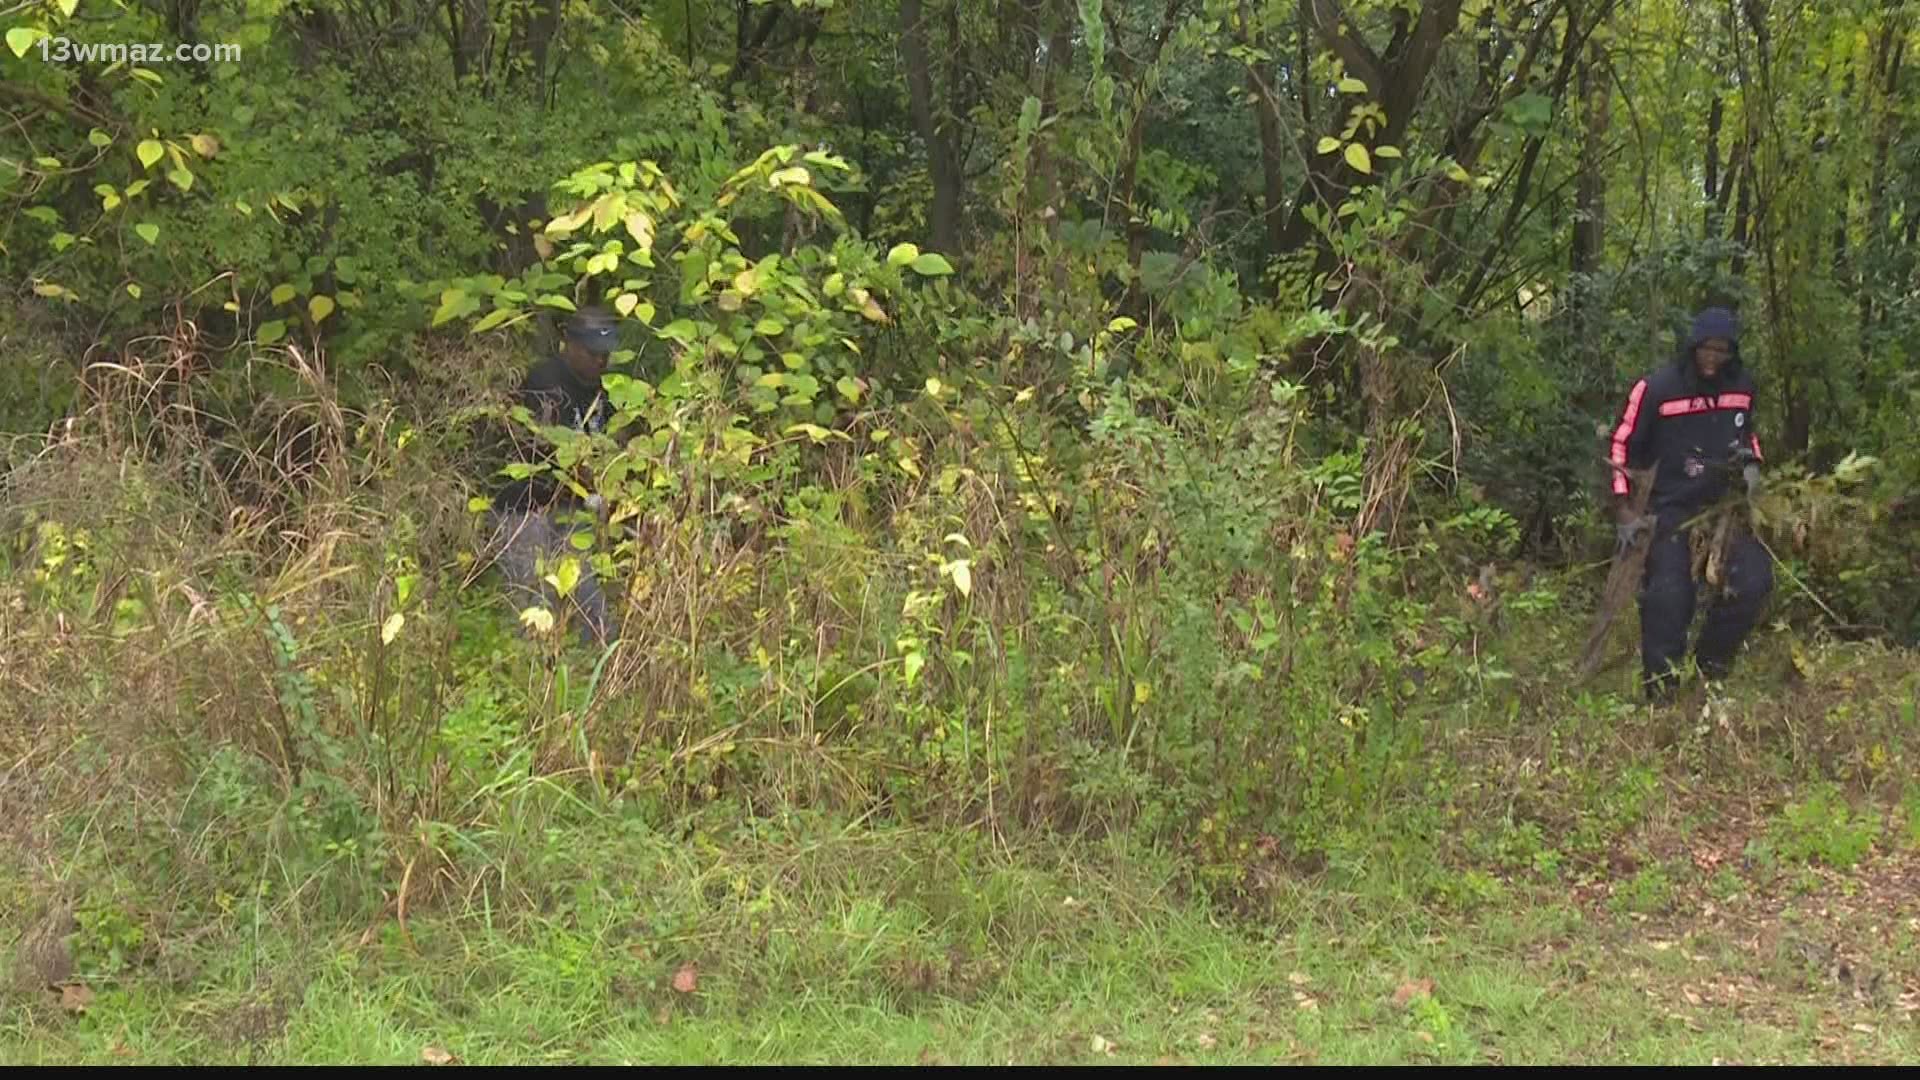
[(1104, 503)]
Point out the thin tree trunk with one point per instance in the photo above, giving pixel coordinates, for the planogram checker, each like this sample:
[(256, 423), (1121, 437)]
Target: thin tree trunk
[(943, 163)]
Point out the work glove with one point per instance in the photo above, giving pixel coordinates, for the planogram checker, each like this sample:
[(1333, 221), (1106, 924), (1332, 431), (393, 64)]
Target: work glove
[(1751, 474), (1630, 531)]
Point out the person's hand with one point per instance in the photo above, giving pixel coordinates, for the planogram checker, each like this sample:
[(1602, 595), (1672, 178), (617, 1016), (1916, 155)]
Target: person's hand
[(1629, 531)]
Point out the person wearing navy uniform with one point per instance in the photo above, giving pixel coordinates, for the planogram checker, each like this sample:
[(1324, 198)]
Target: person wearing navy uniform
[(1694, 420), (530, 532)]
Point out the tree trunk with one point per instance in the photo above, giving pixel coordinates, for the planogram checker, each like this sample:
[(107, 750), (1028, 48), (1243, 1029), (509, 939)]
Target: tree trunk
[(943, 161), (1266, 113), (1710, 226)]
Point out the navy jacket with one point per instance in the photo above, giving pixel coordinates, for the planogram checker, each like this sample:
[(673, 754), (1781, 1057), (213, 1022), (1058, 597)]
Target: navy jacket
[(1689, 426), (555, 396)]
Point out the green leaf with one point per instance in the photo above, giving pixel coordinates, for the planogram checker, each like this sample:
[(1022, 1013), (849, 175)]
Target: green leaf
[(835, 284), (133, 289), (644, 313), (135, 188), (319, 307), (555, 300), (150, 152), (99, 138), (181, 178), (148, 231), (147, 75), (1121, 323), (624, 303), (271, 332), (1327, 145), (205, 145), (902, 254), (62, 241), (67, 7), (1351, 85), (538, 619), (932, 265), (848, 388), (680, 330), (1386, 151), (21, 38), (391, 628), (1357, 157), (792, 174), (452, 305), (913, 662), (769, 326), (493, 318), (46, 162), (283, 293)]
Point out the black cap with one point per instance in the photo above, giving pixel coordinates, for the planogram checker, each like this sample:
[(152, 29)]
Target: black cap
[(594, 328)]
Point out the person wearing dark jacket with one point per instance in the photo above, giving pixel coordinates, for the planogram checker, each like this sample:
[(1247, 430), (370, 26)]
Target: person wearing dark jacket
[(1694, 421), (529, 534)]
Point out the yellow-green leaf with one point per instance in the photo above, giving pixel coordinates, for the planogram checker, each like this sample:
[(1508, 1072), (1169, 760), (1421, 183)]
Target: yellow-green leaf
[(624, 303), (962, 573), (1386, 151), (319, 307), (902, 254), (181, 178), (150, 152), (538, 619), (67, 7), (271, 332), (148, 231), (205, 145), (99, 138), (1457, 174), (21, 38), (1357, 157), (848, 388), (1328, 144), (391, 628), (565, 576), (640, 227), (792, 174), (931, 264), (282, 293), (1351, 85), (133, 289), (913, 662)]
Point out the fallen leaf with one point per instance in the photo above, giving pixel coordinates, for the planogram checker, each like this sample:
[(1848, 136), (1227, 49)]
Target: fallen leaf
[(1864, 1029), (1304, 1001), (1661, 946), (1692, 998), (75, 997), (1205, 1040), (1101, 1045), (1299, 978), (434, 1055), (1424, 1036), (687, 979), (1416, 988)]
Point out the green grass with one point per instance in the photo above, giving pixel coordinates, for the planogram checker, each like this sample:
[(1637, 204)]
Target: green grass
[(912, 946)]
